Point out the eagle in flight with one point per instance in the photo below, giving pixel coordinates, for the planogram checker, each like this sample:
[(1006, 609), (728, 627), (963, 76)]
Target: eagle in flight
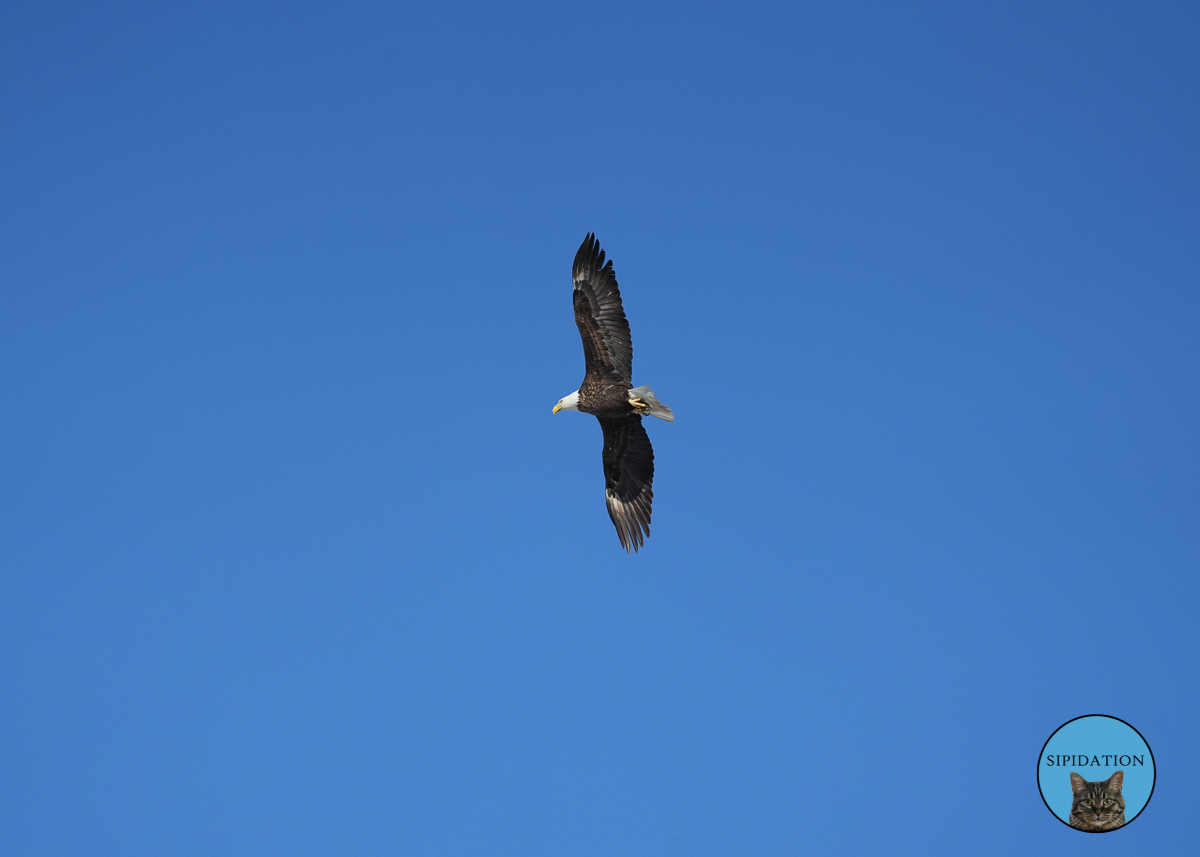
[(607, 392)]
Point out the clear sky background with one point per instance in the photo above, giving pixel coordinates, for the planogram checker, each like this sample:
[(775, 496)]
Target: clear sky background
[(297, 561)]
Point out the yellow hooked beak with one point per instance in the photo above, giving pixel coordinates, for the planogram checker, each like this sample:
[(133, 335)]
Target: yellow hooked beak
[(557, 408)]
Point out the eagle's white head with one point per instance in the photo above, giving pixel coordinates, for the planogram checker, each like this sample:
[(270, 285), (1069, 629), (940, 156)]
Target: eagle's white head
[(567, 403)]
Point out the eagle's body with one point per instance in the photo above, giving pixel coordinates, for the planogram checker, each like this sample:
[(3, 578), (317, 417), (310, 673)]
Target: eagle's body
[(607, 392), (604, 399)]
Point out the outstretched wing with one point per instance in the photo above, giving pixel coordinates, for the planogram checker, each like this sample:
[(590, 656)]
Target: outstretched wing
[(607, 346), (628, 473)]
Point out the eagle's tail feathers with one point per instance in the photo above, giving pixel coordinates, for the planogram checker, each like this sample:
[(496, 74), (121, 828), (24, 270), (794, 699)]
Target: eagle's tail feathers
[(655, 408)]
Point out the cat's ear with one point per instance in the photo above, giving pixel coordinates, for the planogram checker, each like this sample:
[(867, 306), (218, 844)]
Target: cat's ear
[(1077, 783), (1114, 782)]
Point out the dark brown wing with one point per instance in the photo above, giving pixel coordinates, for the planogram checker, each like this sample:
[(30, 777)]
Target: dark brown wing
[(628, 474), (607, 346)]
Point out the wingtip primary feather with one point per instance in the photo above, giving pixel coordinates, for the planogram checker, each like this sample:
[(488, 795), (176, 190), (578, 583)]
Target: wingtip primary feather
[(584, 256), (631, 518)]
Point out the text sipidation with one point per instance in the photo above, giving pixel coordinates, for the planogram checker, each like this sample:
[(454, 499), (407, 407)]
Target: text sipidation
[(1084, 761)]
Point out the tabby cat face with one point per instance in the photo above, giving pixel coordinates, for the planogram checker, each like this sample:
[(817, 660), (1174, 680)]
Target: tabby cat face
[(1099, 805)]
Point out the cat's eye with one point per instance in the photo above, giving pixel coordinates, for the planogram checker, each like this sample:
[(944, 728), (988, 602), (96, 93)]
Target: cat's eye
[(1107, 802), (1087, 803)]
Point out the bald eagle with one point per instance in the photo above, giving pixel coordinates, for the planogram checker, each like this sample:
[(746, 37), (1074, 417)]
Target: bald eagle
[(608, 394)]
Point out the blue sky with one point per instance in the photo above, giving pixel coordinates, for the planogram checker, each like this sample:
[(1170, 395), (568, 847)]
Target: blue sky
[(296, 559)]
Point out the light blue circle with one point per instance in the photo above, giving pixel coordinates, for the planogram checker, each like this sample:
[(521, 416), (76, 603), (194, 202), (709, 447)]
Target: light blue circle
[(1112, 745)]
